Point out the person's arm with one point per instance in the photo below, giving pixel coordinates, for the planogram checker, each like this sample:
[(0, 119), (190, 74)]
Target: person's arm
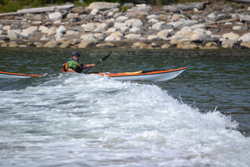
[(71, 70), (88, 66)]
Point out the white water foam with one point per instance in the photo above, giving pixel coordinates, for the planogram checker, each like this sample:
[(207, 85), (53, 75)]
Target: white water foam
[(89, 120)]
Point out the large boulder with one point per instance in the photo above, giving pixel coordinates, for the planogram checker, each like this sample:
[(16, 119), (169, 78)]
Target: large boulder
[(163, 34), (90, 27), (103, 5), (51, 44), (245, 38), (132, 37), (56, 15), (231, 36), (89, 38), (12, 35), (134, 23), (159, 26), (122, 19), (52, 31)]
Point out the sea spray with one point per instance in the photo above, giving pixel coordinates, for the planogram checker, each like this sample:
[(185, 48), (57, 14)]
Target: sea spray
[(77, 120)]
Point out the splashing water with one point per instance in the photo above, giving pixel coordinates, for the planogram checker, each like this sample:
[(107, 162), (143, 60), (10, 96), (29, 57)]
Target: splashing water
[(89, 120)]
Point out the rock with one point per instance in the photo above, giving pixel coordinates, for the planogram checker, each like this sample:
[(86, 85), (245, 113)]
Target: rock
[(65, 45), (57, 22), (153, 38), (117, 34), (196, 26), (43, 29), (211, 16), (132, 36), (130, 5), (78, 10), (228, 44), (61, 29), (72, 32), (99, 30), (228, 23), (70, 15), (50, 44), (32, 29), (52, 31), (142, 39), (6, 28), (163, 34), (124, 29), (245, 44), (74, 41), (237, 28), (105, 45), (1, 26), (99, 36), (165, 46), (209, 45), (119, 25), (117, 15), (22, 46), (187, 45), (199, 35), (94, 12), (223, 17), (4, 45), (137, 44), (159, 26), (110, 30), (44, 38), (12, 35), (134, 23), (153, 21), (89, 38), (185, 32), (103, 5), (121, 19), (185, 6), (109, 38), (13, 45), (145, 46), (84, 44), (141, 7), (245, 27), (55, 16), (135, 30), (231, 36), (90, 27), (152, 16), (176, 17), (245, 37)]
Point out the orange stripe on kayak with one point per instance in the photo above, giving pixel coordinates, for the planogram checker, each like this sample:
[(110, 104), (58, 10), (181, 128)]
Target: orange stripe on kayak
[(134, 74), (10, 73)]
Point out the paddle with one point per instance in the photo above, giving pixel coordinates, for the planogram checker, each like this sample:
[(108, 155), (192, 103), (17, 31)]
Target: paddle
[(98, 62)]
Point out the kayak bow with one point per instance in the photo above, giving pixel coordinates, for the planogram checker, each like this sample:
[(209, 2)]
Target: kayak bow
[(16, 75)]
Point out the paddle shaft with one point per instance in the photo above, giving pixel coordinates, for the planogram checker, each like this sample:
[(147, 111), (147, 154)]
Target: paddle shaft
[(98, 62)]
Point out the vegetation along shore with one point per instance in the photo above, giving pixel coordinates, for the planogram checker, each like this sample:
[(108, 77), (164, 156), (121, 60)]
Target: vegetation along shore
[(196, 25)]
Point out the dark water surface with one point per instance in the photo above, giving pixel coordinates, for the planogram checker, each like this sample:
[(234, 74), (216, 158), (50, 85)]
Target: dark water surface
[(215, 79)]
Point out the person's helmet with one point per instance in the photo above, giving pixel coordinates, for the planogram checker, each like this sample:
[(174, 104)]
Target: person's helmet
[(75, 53)]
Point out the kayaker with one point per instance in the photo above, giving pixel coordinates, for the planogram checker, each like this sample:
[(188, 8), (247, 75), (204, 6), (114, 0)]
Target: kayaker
[(72, 64)]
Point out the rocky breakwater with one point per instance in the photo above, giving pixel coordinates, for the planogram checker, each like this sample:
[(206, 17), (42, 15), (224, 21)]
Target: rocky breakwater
[(108, 25)]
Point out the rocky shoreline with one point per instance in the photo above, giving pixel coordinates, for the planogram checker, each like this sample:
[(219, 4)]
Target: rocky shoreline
[(108, 25)]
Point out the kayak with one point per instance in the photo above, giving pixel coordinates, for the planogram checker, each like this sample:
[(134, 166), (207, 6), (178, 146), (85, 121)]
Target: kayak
[(16, 75), (153, 75)]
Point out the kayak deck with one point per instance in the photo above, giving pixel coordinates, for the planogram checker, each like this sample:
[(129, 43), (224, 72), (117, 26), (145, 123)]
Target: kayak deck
[(153, 75)]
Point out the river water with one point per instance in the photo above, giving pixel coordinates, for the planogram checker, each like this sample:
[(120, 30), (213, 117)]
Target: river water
[(200, 118)]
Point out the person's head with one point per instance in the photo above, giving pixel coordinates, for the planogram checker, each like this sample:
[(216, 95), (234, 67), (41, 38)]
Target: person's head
[(75, 55)]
